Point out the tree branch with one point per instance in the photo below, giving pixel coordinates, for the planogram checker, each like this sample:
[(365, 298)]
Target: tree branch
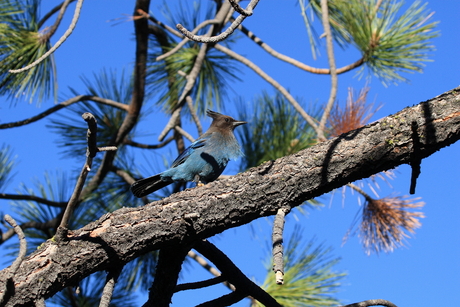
[(244, 286), (218, 38), (62, 105), (332, 67), (60, 204), (292, 61), (121, 236)]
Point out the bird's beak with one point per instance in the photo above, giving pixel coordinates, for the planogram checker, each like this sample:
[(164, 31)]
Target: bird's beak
[(238, 123)]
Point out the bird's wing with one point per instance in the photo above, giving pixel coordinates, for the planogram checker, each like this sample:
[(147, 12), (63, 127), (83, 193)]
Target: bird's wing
[(186, 153)]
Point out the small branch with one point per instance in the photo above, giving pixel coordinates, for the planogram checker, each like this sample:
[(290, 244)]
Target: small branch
[(243, 285), (296, 63), (239, 9), (22, 253), (54, 27), (62, 105), (416, 160), (169, 265), (333, 68), (91, 152), (184, 133), (32, 224), (195, 117), (225, 300), (60, 204), (199, 284), (272, 81), (377, 302), (277, 239), (107, 292), (201, 261), (185, 40), (226, 33), (51, 13), (58, 43), (146, 146)]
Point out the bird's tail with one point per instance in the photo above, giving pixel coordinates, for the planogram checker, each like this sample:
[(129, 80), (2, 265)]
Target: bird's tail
[(148, 185)]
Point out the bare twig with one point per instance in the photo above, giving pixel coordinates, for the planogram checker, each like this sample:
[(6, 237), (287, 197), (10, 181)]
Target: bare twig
[(272, 81), (60, 204), (199, 284), (377, 302), (215, 39), (62, 8), (239, 9), (184, 133), (51, 224), (51, 13), (296, 63), (277, 241), (332, 66), (91, 152), (109, 286), (244, 286), (19, 259), (185, 40), (201, 261), (58, 43), (64, 104), (195, 117), (146, 146)]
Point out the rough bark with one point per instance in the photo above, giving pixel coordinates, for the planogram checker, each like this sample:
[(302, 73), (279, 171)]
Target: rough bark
[(116, 238)]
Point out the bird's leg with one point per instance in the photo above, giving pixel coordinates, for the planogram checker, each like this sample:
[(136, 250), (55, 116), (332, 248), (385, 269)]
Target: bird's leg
[(197, 179)]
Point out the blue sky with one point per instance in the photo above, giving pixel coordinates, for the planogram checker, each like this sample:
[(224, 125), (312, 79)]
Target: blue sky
[(424, 273)]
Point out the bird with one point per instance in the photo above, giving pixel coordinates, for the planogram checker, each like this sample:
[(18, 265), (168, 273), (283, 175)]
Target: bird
[(203, 161)]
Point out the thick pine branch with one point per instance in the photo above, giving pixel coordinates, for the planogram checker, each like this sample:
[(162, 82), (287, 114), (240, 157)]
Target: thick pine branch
[(121, 236)]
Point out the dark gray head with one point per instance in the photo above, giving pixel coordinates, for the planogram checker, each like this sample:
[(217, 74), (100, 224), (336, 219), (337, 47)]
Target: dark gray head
[(221, 121)]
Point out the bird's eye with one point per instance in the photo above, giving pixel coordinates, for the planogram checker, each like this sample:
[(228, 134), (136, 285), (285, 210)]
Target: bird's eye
[(227, 120)]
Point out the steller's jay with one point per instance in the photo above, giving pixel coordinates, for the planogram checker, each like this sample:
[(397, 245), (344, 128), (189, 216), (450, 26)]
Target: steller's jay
[(204, 160)]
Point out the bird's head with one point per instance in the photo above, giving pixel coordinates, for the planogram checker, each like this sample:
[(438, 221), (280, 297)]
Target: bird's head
[(223, 121)]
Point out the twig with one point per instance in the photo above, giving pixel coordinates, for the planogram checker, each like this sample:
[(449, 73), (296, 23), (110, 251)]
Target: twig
[(185, 40), (60, 204), (64, 104), (58, 43), (201, 261), (22, 253), (91, 152), (50, 13), (107, 292), (199, 284), (277, 240), (51, 224), (225, 300), (296, 63), (332, 66), (272, 81), (169, 265), (53, 28), (146, 146), (239, 9), (195, 117), (243, 284), (377, 302), (184, 133), (226, 33)]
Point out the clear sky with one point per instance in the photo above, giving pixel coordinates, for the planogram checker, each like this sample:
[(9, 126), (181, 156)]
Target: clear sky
[(425, 273)]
